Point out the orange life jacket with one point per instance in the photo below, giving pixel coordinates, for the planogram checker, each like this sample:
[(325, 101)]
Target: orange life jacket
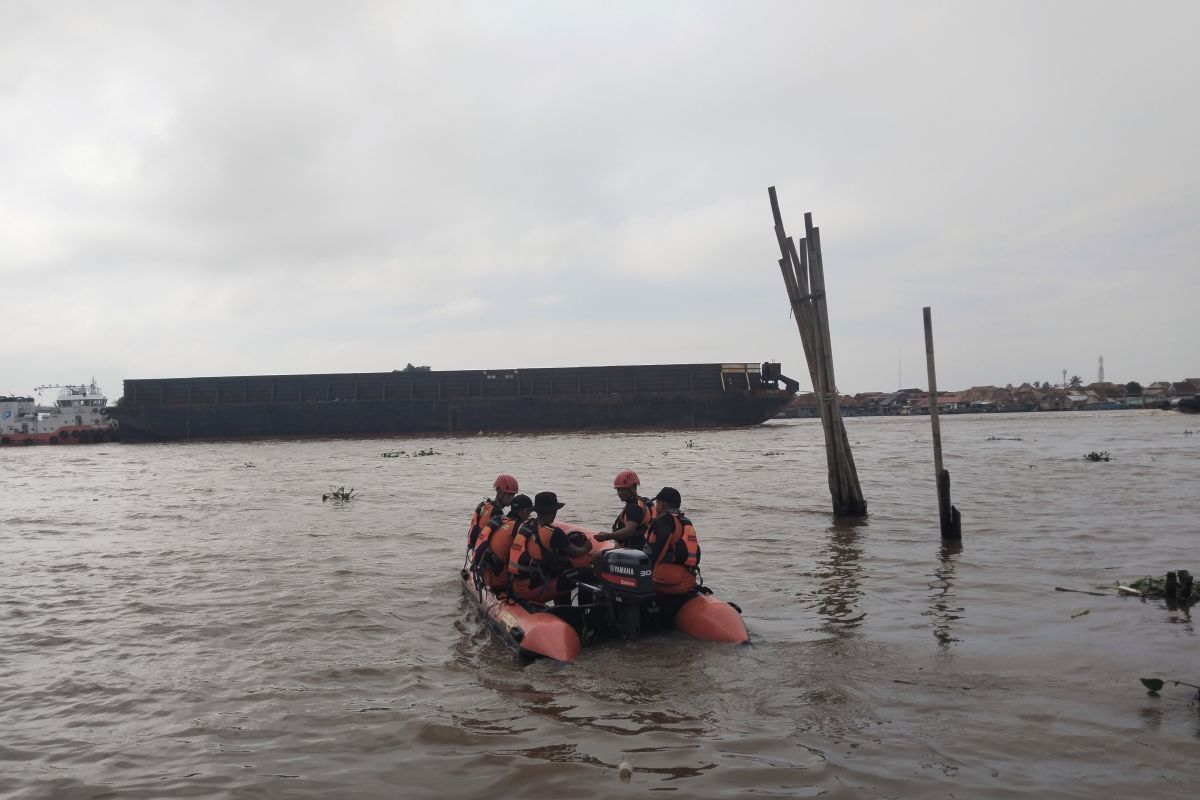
[(491, 551), (682, 548), (483, 514), (637, 540), (530, 545)]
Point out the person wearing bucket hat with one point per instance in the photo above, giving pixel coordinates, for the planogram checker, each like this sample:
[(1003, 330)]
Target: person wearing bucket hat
[(506, 489), (629, 529), (541, 552), (495, 540), (672, 546)]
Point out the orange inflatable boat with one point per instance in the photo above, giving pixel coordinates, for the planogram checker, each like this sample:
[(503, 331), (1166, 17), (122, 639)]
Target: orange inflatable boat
[(615, 599)]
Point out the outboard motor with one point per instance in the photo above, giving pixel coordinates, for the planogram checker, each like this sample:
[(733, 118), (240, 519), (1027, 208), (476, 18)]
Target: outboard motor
[(625, 576)]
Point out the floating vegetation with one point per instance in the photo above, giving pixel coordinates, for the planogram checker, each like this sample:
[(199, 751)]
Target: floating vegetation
[(1155, 685), (394, 454), (250, 464), (1177, 587), (429, 452), (689, 444), (339, 495), (1101, 456), (1004, 439), (773, 453)]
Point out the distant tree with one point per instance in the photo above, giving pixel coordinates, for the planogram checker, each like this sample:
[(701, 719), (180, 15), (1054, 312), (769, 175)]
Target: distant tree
[(410, 368), (1076, 382), (1133, 389)]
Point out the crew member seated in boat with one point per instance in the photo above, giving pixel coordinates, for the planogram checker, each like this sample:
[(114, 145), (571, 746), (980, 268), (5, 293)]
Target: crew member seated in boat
[(672, 546), (490, 561), (506, 489), (629, 530), (541, 552)]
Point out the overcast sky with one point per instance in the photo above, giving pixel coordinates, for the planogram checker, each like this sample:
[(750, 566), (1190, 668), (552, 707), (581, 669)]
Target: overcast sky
[(226, 188)]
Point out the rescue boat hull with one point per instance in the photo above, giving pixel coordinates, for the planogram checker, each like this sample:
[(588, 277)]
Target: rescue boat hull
[(711, 619), (533, 633)]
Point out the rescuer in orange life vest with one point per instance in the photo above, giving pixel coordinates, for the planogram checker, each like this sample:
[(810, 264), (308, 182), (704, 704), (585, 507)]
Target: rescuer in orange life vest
[(506, 490), (629, 530), (495, 542), (672, 546), (541, 552)]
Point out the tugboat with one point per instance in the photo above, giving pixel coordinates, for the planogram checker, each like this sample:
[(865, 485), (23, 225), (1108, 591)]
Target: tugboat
[(78, 416)]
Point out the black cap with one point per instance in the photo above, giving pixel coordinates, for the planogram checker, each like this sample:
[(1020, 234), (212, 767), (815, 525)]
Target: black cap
[(521, 501), (669, 496), (544, 501)]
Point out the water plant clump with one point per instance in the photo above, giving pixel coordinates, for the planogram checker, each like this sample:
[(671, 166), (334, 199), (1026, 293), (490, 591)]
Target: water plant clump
[(394, 454), (339, 495), (1101, 456), (1177, 587)]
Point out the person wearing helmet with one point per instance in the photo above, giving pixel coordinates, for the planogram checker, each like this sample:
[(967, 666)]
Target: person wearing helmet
[(495, 540), (506, 489), (629, 529)]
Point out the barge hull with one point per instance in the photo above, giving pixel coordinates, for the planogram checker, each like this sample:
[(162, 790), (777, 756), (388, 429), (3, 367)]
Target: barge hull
[(427, 402)]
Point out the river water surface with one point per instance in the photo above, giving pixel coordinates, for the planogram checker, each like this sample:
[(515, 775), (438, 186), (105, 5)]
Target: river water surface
[(191, 620)]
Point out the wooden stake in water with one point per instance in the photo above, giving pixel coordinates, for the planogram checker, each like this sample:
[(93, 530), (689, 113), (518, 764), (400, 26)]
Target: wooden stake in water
[(951, 520), (804, 278)]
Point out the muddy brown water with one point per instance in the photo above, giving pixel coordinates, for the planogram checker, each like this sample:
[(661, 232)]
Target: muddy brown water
[(192, 621)]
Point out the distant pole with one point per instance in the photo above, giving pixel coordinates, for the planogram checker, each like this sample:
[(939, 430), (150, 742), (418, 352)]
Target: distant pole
[(951, 520)]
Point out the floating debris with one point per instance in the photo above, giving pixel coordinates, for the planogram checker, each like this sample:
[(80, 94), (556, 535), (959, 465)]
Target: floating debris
[(394, 454), (625, 771), (1081, 612), (689, 444), (1081, 591), (429, 452), (1174, 587), (339, 495), (1005, 439), (250, 464), (1155, 685), (1101, 456), (773, 453)]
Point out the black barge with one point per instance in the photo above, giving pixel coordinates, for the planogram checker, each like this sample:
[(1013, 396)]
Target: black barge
[(459, 401)]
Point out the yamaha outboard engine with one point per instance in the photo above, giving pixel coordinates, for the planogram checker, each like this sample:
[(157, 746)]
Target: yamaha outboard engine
[(625, 576)]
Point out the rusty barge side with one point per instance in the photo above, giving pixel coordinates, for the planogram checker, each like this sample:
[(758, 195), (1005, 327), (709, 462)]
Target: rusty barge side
[(461, 401)]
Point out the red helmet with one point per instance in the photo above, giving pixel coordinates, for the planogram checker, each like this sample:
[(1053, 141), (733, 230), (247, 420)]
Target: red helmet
[(626, 479), (506, 483)]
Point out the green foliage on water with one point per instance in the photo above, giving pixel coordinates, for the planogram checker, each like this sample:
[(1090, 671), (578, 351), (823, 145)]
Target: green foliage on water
[(1177, 586), (1101, 456)]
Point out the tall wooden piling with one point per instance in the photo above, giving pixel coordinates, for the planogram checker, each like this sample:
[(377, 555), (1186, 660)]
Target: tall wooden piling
[(803, 270), (950, 519)]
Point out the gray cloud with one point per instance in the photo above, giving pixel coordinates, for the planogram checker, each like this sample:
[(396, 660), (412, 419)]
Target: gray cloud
[(226, 188)]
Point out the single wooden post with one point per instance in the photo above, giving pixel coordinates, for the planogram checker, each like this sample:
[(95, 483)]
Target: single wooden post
[(951, 520)]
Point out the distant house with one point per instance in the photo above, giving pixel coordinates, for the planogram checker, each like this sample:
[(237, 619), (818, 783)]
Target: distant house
[(1055, 400)]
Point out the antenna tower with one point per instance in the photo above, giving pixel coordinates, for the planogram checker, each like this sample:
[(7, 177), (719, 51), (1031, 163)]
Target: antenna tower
[(1064, 379), (1100, 371)]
